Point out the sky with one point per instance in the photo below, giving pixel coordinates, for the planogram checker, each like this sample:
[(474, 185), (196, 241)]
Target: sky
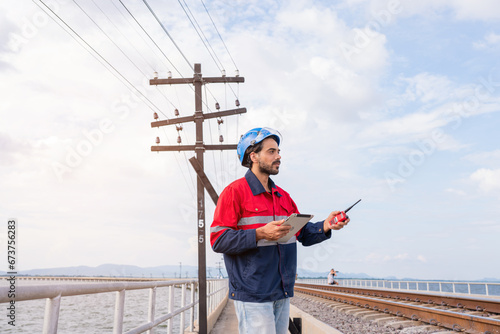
[(392, 102)]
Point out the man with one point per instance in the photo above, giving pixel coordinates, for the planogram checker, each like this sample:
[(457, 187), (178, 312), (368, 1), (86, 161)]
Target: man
[(247, 223)]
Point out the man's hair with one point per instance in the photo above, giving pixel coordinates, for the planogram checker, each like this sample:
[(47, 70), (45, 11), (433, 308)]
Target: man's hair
[(256, 149), (253, 148)]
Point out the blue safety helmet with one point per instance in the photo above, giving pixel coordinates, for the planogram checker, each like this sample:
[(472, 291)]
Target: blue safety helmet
[(254, 137)]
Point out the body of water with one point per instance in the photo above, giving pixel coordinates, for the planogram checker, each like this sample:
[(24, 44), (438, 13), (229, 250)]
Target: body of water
[(88, 314)]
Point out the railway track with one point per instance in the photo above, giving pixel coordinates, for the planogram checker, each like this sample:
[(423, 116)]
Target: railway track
[(454, 313)]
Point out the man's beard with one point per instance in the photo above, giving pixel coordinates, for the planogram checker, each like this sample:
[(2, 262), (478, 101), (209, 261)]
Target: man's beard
[(268, 169)]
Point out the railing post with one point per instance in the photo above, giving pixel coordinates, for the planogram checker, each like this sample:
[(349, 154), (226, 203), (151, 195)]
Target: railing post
[(209, 296), (170, 307), (119, 310), (183, 303), (152, 307), (51, 319), (191, 323)]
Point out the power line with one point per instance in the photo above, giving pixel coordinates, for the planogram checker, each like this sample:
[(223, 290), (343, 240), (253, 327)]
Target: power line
[(101, 59), (138, 33), (121, 50), (193, 189), (166, 31), (110, 39), (173, 41), (210, 16), (157, 46), (204, 38), (144, 30), (123, 35)]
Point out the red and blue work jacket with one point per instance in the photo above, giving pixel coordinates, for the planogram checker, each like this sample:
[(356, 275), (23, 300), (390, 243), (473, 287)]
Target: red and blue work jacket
[(260, 271)]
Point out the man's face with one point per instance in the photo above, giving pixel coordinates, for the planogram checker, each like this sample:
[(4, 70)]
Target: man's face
[(268, 159)]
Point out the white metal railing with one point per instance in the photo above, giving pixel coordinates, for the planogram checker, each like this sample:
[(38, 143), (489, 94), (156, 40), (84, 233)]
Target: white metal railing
[(216, 291), (451, 287)]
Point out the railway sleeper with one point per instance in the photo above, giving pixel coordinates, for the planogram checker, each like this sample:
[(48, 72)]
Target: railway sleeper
[(376, 315), (422, 328), (403, 323), (384, 319), (345, 308), (360, 312)]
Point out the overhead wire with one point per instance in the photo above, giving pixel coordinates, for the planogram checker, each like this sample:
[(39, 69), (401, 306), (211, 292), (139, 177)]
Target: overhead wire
[(218, 33), (175, 44), (184, 133), (222, 40), (152, 40), (144, 30), (204, 39), (121, 50), (211, 141), (137, 32), (200, 33), (100, 58), (182, 53), (193, 189), (152, 51), (110, 67), (120, 31), (166, 31), (117, 46)]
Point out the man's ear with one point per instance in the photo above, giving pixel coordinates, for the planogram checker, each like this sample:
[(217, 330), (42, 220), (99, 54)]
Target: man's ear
[(253, 157)]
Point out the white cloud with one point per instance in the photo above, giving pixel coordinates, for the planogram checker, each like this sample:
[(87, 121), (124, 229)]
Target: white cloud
[(462, 9), (485, 159), (428, 88), (381, 258), (488, 180), (401, 256), (339, 131), (421, 258), (458, 192), (490, 40), (475, 10)]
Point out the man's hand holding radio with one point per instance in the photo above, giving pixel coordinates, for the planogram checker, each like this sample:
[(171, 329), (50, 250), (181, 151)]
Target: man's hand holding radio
[(330, 223)]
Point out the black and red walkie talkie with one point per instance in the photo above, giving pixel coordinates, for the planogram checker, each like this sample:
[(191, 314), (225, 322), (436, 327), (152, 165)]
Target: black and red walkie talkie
[(342, 215)]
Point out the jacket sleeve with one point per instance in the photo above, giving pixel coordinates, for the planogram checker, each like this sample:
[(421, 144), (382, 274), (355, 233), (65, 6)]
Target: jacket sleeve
[(225, 237), (313, 233)]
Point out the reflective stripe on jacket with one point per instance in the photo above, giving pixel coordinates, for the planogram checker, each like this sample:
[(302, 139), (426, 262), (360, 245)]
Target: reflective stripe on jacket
[(265, 270)]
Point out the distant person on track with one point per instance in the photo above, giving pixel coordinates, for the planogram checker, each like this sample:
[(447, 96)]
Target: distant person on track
[(246, 227), (331, 277)]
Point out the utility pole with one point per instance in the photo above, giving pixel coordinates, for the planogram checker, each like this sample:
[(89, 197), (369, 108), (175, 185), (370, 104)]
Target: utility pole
[(197, 162)]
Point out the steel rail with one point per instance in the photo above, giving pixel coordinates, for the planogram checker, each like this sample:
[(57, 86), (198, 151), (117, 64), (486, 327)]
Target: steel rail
[(462, 302), (463, 322)]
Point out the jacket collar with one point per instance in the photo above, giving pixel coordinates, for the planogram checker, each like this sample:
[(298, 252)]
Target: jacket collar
[(257, 187)]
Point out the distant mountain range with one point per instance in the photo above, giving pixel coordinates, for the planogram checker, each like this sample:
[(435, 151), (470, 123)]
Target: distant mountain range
[(172, 271), (168, 271)]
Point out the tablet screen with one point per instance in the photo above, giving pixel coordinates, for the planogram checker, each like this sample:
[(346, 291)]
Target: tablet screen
[(297, 221)]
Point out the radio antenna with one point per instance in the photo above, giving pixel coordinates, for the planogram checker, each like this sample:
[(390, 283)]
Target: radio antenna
[(349, 208)]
